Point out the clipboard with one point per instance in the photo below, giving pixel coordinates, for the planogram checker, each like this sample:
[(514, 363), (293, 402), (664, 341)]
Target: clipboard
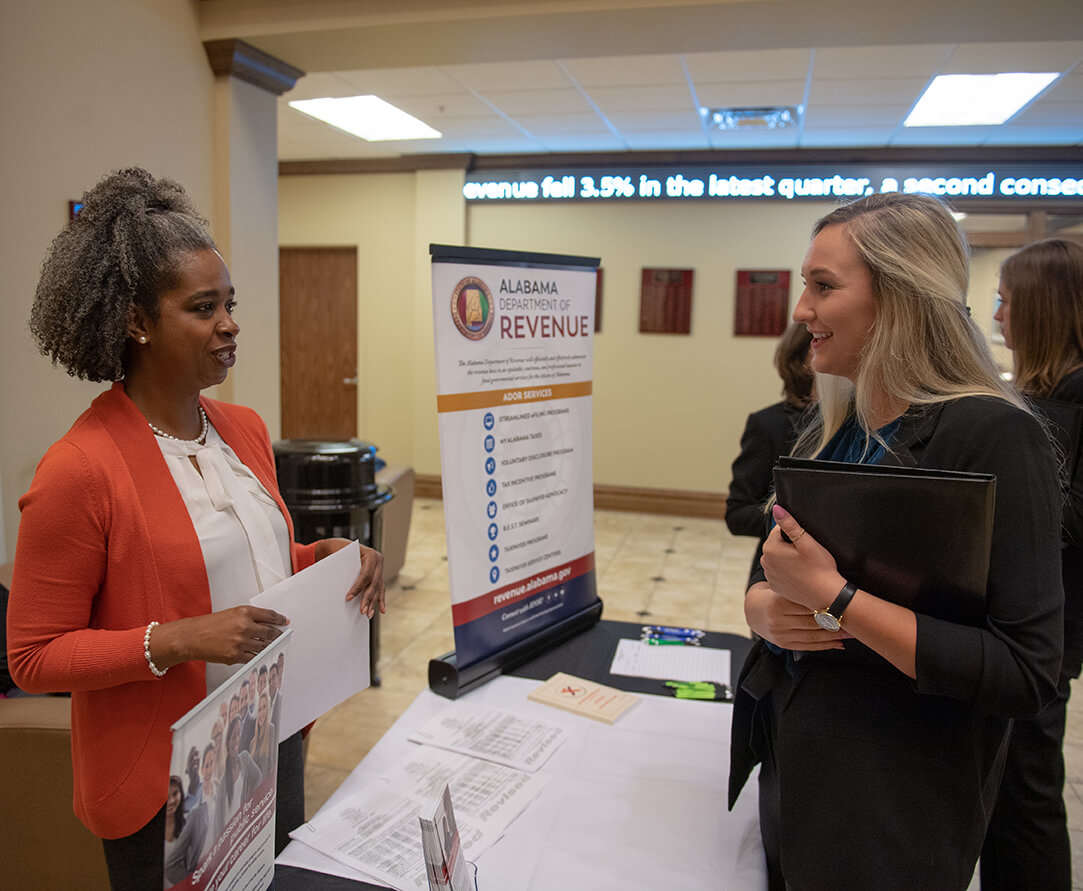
[(917, 537)]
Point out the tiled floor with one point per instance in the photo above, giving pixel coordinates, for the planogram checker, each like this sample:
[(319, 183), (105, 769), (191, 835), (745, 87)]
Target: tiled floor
[(681, 571)]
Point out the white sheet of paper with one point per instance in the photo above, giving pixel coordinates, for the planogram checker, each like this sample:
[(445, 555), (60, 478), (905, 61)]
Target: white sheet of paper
[(493, 734), (636, 806), (376, 831), (634, 658), (329, 654)]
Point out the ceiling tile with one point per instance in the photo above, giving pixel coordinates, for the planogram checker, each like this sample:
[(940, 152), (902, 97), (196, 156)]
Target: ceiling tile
[(745, 95), (990, 58), (562, 123), (661, 97), (567, 101), (840, 63), (817, 116), (744, 139), (745, 65), (576, 142), (848, 137), (543, 75), (941, 135), (898, 91), (1068, 134), (438, 107), (665, 140), (1046, 112), (612, 71), (386, 82), (655, 120)]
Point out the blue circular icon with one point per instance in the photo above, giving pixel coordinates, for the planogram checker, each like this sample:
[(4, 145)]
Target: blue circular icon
[(491, 509), (490, 488), (490, 464), (489, 420), (492, 531), (490, 443), (494, 552), (494, 574)]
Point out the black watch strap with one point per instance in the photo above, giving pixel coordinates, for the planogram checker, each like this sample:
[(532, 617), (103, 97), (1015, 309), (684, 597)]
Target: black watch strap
[(842, 601)]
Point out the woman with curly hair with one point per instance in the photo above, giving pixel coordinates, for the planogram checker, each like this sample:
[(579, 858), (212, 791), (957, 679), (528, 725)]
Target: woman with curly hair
[(880, 731), (1041, 317), (152, 522)]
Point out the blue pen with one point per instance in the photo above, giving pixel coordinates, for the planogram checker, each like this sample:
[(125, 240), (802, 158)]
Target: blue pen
[(693, 637), (665, 629)]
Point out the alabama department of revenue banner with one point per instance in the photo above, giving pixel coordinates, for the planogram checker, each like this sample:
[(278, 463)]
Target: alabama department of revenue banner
[(514, 361)]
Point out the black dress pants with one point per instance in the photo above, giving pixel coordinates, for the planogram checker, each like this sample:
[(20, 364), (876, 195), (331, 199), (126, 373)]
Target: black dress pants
[(1027, 843)]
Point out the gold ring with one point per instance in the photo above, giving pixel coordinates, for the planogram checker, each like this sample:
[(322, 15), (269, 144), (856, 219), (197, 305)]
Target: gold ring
[(796, 538)]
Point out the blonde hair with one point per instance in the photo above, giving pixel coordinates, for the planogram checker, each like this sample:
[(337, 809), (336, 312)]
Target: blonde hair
[(1045, 284), (923, 348)]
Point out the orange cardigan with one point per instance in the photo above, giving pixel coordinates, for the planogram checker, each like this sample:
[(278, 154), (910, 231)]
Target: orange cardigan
[(105, 546)]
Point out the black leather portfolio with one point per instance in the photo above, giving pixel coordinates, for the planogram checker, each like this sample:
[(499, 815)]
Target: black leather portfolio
[(920, 538)]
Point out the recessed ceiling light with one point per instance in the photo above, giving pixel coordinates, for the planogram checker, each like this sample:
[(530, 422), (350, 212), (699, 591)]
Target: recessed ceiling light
[(966, 100), (369, 117), (759, 118)]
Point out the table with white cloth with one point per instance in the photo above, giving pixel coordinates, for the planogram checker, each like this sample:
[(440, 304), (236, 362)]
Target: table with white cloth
[(637, 804)]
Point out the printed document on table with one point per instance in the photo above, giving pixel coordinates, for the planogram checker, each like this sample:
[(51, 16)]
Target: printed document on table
[(329, 656), (634, 658), (492, 734), (376, 830)]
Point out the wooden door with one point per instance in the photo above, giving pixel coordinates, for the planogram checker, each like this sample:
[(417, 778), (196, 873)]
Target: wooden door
[(318, 325)]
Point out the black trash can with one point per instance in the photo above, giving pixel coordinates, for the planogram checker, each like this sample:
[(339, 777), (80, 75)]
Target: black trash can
[(331, 491)]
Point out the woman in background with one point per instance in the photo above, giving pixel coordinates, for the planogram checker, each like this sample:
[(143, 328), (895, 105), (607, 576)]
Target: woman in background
[(770, 432), (1041, 316), (881, 732), (155, 519)]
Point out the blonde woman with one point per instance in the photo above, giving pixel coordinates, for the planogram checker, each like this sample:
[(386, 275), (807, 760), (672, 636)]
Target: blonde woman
[(880, 748)]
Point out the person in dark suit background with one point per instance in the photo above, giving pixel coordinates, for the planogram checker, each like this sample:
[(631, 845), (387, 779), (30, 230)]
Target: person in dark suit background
[(1041, 317), (881, 732), (770, 432)]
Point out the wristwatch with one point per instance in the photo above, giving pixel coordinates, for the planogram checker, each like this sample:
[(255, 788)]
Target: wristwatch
[(830, 619)]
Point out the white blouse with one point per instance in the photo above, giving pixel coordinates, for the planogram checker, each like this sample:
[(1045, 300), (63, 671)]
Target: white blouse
[(242, 533)]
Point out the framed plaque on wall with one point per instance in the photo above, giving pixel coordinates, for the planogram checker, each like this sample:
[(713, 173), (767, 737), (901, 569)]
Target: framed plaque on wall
[(763, 302), (665, 301)]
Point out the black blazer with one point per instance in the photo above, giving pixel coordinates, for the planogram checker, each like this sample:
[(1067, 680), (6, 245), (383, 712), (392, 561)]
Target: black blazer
[(768, 433), (887, 782)]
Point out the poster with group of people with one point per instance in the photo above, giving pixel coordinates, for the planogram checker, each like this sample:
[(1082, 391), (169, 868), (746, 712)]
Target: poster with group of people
[(514, 363), (222, 786)]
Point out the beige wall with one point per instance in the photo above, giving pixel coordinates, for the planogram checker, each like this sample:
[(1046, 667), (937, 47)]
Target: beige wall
[(86, 88), (392, 219), (668, 410)]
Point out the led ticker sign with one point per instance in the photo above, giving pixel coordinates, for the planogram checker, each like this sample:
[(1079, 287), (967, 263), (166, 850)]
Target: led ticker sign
[(776, 182)]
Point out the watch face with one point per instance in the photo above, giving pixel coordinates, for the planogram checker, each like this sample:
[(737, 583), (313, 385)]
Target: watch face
[(826, 621)]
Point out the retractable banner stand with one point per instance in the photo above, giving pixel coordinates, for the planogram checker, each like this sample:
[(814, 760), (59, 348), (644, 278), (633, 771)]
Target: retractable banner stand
[(514, 362)]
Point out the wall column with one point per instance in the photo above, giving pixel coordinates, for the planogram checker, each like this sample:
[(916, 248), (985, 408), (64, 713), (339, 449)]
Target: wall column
[(248, 83)]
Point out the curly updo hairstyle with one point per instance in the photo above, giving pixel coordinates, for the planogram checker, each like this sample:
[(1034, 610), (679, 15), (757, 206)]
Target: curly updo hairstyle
[(122, 249)]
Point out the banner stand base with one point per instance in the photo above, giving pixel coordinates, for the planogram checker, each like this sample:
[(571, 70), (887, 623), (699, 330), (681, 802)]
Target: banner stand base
[(448, 680)]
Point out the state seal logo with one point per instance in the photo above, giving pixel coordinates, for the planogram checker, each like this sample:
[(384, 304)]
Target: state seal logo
[(472, 308)]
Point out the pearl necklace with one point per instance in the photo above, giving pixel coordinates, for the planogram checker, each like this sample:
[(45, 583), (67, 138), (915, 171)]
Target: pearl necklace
[(199, 440)]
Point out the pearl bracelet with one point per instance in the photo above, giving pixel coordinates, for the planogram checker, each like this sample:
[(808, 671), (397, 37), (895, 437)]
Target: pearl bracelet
[(158, 672)]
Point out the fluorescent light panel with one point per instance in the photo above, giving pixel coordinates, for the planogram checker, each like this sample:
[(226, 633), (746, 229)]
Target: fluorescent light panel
[(966, 100), (368, 117)]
